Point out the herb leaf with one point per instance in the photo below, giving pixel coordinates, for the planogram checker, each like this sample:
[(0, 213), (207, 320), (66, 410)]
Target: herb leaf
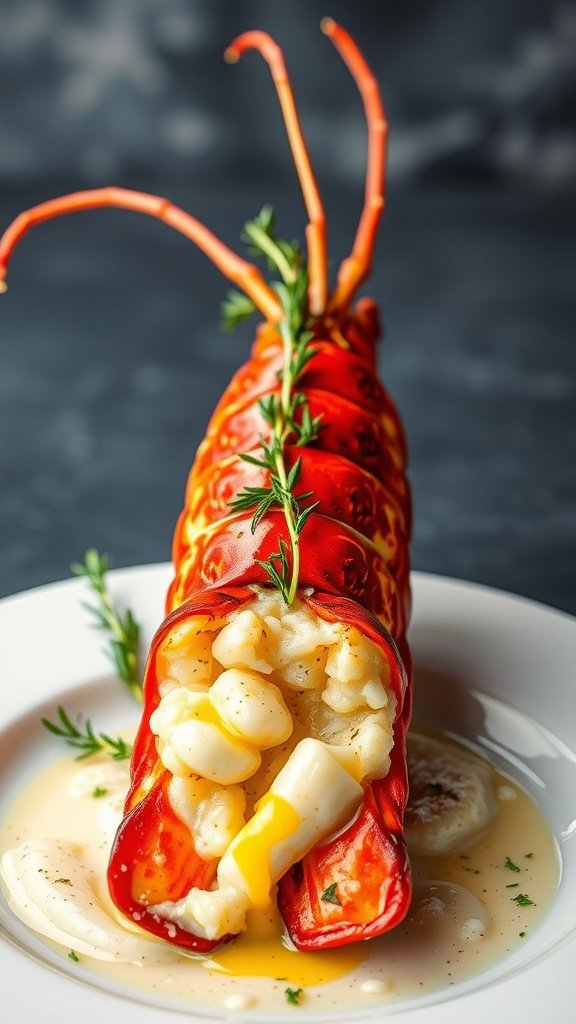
[(260, 236), (330, 895), (287, 413), (293, 995), (236, 308), (123, 629), (511, 865), (81, 736), (523, 901)]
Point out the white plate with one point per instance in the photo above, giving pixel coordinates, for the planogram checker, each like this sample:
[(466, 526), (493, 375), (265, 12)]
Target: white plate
[(494, 668)]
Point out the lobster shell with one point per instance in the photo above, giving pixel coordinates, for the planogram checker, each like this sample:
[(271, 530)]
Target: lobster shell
[(354, 563), (354, 569)]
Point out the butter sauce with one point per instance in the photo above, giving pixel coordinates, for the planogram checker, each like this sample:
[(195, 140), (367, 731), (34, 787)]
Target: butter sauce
[(469, 908)]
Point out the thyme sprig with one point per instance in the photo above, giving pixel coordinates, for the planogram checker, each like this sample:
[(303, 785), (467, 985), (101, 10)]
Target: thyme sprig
[(287, 413), (81, 736), (122, 646), (123, 652), (236, 308)]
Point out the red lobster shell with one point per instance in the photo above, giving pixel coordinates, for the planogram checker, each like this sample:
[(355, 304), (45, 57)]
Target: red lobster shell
[(354, 564)]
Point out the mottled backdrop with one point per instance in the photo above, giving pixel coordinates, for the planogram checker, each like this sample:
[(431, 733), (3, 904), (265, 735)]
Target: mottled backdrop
[(110, 353)]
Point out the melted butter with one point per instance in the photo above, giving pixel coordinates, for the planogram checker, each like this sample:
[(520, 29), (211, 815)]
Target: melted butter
[(265, 952), (276, 819), (464, 916)]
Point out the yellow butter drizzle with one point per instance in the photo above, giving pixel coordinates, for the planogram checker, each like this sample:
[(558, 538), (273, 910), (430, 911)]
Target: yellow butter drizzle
[(274, 820), (264, 951)]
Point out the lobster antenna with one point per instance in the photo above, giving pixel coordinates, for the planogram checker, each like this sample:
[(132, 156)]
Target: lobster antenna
[(242, 273), (316, 228), (356, 267)]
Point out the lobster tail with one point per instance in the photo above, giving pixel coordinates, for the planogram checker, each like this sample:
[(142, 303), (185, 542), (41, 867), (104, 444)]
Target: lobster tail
[(354, 573), (271, 748), (355, 467)]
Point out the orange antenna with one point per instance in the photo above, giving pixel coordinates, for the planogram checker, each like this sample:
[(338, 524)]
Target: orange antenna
[(242, 273), (356, 267), (316, 229)]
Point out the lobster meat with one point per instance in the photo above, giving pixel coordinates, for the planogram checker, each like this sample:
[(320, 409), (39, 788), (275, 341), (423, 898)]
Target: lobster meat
[(312, 798)]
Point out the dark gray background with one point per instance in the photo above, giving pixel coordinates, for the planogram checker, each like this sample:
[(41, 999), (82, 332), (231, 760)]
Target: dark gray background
[(110, 356)]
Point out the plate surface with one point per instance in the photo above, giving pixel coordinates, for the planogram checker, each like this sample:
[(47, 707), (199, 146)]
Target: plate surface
[(494, 669)]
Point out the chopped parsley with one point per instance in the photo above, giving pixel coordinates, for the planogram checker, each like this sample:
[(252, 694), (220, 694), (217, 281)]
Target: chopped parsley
[(523, 901), (99, 791), (511, 865), (513, 885), (528, 855), (293, 996), (73, 956), (62, 881), (521, 935), (330, 895)]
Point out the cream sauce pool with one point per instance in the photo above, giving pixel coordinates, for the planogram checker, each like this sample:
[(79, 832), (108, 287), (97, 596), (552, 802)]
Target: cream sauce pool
[(469, 909)]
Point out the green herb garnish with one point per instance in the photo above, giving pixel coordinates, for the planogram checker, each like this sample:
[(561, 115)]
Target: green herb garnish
[(236, 308), (330, 895), (73, 956), (287, 413), (81, 736), (122, 647), (513, 885), (511, 865), (523, 901), (293, 995), (122, 650), (99, 791), (62, 881)]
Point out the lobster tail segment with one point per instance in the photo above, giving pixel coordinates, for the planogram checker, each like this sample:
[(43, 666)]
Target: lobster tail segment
[(272, 819), (357, 885)]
